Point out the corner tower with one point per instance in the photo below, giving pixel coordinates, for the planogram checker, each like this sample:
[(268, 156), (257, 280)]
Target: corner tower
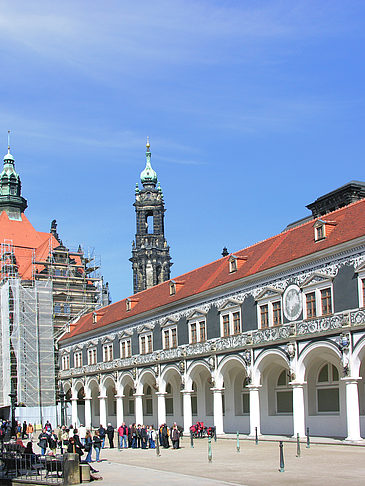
[(151, 259), (11, 200)]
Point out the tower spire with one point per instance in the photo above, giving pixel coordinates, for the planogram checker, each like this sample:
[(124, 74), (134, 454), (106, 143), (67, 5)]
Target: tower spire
[(8, 141)]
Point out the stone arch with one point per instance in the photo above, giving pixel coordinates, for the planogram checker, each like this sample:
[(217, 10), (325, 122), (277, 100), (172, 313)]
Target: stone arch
[(199, 373), (277, 356), (171, 384), (231, 375), (311, 362)]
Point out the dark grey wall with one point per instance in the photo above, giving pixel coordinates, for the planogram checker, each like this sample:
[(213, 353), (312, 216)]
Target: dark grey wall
[(99, 352), (213, 330), (116, 347), (183, 332), (345, 289), (135, 343), (157, 337), (249, 314)]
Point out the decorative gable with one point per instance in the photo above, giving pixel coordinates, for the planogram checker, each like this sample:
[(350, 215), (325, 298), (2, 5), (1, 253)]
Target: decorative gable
[(360, 268), (228, 304), (145, 328), (315, 279), (269, 293), (168, 322), (127, 333), (196, 314)]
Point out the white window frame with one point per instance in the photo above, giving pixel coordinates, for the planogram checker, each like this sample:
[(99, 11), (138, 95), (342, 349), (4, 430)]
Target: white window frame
[(316, 287), (328, 385), (77, 359), (199, 323), (66, 362), (92, 355), (360, 278), (108, 354), (145, 336), (229, 309), (127, 342), (270, 300), (169, 330)]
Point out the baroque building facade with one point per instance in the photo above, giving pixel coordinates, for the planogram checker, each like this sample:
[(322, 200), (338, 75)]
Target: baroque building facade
[(271, 337), (43, 285), (151, 260)]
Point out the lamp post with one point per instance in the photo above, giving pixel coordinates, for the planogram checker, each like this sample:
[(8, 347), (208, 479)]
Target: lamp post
[(61, 395), (13, 398)]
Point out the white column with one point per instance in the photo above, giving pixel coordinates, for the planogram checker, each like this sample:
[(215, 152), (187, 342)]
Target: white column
[(298, 409), (352, 409), (187, 412), (138, 409), (120, 411), (161, 408), (74, 411), (218, 409), (87, 412), (254, 409), (102, 399)]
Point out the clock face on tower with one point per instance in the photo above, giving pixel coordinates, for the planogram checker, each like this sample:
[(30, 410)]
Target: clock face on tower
[(292, 302)]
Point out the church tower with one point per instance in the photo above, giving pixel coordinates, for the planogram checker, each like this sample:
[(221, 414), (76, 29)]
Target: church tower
[(11, 200), (151, 259)]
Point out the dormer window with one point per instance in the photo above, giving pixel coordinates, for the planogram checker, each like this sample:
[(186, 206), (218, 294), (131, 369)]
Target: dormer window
[(130, 303), (232, 265), (95, 318), (172, 288), (322, 229)]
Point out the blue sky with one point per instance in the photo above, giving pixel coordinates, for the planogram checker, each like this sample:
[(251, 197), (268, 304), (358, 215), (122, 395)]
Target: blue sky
[(253, 108)]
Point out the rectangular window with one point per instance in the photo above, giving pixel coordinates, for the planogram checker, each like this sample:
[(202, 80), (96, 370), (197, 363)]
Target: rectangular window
[(66, 362), (264, 313), (328, 400), (166, 339), (194, 405), (311, 305), (78, 359), (149, 343), (226, 325), (236, 323), (126, 349), (245, 403), (173, 338), (143, 345), (326, 301), (108, 352), (193, 333), (276, 313), (91, 356), (203, 336)]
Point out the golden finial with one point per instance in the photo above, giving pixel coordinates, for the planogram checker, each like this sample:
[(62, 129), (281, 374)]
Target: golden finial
[(148, 142)]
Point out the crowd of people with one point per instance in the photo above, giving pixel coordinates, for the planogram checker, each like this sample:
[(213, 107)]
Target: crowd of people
[(83, 441)]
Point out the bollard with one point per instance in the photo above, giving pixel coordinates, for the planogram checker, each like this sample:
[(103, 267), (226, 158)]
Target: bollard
[(298, 446), (191, 439), (238, 442), (281, 457), (308, 439), (256, 436), (215, 434), (71, 469), (210, 449), (157, 446)]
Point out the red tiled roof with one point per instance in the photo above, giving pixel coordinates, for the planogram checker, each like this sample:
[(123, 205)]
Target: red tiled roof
[(26, 241), (285, 247)]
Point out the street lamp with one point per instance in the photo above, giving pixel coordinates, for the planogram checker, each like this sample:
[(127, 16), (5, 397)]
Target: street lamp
[(61, 395), (13, 398)]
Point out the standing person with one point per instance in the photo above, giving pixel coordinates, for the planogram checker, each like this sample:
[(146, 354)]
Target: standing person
[(151, 438), (134, 436), (82, 434), (48, 427), (65, 437), (124, 436), (97, 445), (88, 445), (24, 431), (175, 437), (43, 441), (52, 441), (110, 434), (30, 430), (77, 439), (74, 447), (165, 437), (102, 435), (138, 432), (144, 437)]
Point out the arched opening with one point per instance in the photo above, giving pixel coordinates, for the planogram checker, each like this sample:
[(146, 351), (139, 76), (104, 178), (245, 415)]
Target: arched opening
[(200, 375)]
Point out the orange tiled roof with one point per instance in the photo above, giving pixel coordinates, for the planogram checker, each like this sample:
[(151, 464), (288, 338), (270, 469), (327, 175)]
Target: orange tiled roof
[(290, 245), (26, 240)]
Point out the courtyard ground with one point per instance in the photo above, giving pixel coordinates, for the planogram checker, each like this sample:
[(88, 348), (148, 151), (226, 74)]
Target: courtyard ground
[(330, 463)]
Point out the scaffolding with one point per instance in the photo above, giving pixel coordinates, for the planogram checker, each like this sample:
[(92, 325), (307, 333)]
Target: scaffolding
[(27, 345)]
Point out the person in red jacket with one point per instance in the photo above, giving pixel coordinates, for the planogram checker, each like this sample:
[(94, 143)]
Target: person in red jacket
[(123, 436)]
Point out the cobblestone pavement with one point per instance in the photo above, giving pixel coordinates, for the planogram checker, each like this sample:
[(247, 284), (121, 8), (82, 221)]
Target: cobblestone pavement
[(253, 465)]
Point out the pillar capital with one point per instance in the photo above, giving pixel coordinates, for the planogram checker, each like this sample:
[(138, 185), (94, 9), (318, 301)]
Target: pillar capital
[(102, 396), (73, 399), (351, 379), (87, 398), (217, 390), (297, 384), (119, 396), (161, 394), (138, 395), (187, 392), (254, 387)]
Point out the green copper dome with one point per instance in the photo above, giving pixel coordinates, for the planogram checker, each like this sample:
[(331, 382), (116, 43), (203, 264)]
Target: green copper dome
[(148, 175), (8, 156)]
